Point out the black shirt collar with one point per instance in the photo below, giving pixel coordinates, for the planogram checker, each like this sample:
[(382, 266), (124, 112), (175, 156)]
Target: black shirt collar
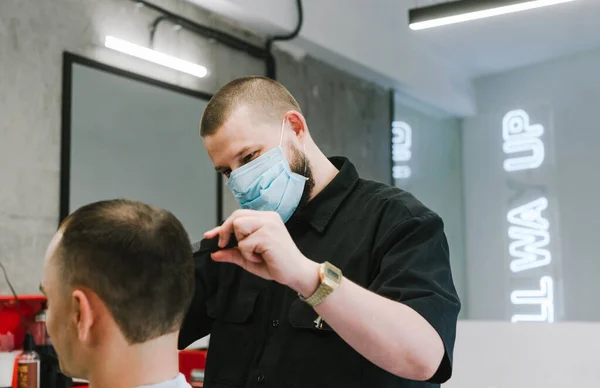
[(319, 211)]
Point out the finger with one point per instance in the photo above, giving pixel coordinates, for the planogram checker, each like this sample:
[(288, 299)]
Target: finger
[(250, 248), (252, 257), (235, 256), (224, 231), (218, 232), (244, 212), (214, 232), (227, 229), (229, 256), (245, 226)]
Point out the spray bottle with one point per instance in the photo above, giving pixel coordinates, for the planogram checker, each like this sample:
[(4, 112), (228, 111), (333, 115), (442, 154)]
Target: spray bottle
[(28, 365)]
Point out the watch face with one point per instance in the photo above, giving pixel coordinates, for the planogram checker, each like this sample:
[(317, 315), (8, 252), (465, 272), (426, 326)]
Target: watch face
[(332, 274)]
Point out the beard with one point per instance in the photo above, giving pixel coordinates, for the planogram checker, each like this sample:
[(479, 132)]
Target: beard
[(301, 166)]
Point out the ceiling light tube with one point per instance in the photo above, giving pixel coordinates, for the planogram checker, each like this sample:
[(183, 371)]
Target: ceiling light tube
[(466, 10), (154, 56)]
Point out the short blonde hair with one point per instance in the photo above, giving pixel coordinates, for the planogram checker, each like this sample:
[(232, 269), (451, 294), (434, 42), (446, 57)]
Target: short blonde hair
[(268, 98)]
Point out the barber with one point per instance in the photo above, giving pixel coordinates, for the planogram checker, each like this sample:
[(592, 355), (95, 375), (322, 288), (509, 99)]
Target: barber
[(336, 281)]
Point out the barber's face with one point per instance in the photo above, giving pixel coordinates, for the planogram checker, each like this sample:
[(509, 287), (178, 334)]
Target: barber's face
[(61, 316), (243, 138)]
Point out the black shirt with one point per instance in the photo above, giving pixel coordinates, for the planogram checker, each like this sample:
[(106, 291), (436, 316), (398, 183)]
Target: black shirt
[(262, 335)]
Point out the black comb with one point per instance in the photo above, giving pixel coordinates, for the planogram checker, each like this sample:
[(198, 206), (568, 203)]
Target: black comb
[(211, 245)]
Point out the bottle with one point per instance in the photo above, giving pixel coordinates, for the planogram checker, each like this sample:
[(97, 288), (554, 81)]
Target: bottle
[(38, 328), (197, 378), (28, 365), (7, 342)]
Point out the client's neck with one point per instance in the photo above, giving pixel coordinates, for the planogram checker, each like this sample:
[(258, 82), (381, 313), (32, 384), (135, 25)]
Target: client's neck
[(129, 366)]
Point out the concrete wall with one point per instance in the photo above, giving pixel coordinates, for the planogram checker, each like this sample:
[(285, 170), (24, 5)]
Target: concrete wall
[(346, 115), (562, 96)]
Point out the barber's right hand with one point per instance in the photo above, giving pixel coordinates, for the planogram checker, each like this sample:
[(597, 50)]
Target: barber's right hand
[(265, 248)]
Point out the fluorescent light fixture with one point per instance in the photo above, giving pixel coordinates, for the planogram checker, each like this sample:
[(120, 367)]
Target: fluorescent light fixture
[(154, 56), (466, 10)]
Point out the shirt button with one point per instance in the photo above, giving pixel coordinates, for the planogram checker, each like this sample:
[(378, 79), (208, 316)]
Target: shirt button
[(275, 323), (260, 378)]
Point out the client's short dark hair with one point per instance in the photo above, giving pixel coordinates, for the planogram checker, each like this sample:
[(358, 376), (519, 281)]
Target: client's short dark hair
[(137, 258)]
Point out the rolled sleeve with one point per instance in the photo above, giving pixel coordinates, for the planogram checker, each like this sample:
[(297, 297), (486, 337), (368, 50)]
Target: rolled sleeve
[(415, 270)]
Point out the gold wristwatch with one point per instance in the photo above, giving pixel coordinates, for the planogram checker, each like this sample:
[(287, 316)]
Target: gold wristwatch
[(330, 278)]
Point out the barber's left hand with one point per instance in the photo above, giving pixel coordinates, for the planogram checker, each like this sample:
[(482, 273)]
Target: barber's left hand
[(265, 248)]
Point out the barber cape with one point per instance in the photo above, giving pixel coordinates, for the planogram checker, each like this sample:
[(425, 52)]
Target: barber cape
[(177, 382)]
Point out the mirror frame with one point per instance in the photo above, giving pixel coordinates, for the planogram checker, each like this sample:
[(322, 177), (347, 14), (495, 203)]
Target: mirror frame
[(69, 59)]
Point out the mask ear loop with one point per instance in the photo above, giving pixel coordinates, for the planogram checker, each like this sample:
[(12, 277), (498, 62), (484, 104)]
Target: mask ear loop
[(305, 163), (282, 129)]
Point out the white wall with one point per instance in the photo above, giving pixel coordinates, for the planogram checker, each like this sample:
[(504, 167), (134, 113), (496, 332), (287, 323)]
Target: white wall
[(436, 179), (373, 42), (562, 95), (505, 355)]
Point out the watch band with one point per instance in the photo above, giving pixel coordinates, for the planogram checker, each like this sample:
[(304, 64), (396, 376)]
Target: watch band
[(319, 295), (331, 278)]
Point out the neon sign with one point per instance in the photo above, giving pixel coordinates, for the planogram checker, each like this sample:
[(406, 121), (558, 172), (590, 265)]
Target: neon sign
[(401, 149), (529, 231), (544, 297), (520, 136), (528, 228)]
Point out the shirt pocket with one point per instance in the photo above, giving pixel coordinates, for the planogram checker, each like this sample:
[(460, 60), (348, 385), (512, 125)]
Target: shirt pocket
[(326, 360), (305, 318), (231, 340)]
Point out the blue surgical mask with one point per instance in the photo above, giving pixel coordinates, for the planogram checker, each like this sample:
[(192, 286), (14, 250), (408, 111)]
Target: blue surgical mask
[(267, 183)]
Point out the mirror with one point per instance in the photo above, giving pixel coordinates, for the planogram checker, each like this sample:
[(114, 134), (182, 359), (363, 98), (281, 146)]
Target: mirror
[(426, 162), (128, 136)]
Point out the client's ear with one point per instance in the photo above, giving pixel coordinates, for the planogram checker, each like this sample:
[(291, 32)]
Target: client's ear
[(83, 316)]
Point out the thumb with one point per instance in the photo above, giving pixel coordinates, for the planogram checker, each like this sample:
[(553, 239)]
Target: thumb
[(232, 255)]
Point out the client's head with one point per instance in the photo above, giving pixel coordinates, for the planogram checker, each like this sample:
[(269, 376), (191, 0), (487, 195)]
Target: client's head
[(118, 275)]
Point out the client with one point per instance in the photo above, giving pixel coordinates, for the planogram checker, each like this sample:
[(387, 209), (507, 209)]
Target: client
[(119, 277)]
